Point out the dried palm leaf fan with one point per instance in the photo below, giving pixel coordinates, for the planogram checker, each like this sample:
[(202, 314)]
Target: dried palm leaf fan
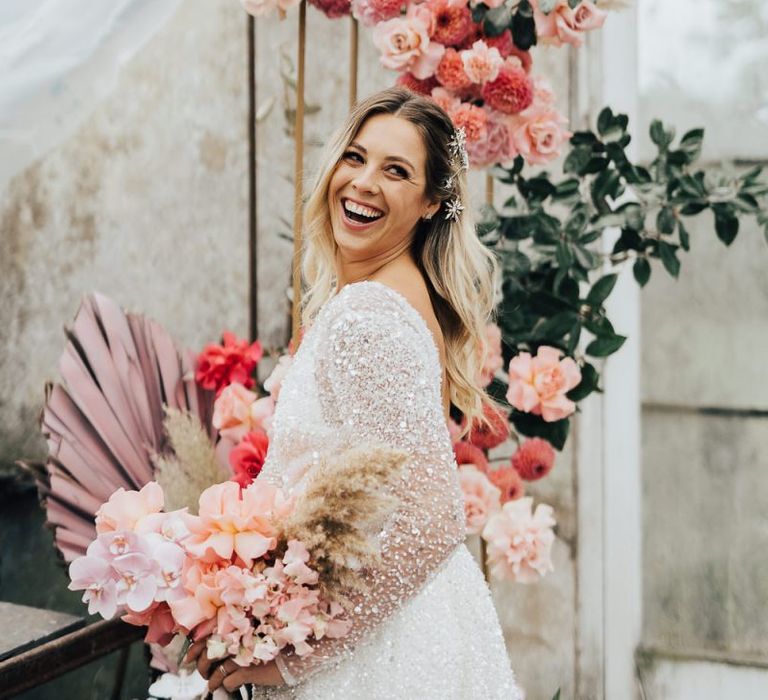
[(104, 422)]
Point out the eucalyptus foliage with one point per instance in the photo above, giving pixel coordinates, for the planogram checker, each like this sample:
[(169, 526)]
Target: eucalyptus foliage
[(548, 237)]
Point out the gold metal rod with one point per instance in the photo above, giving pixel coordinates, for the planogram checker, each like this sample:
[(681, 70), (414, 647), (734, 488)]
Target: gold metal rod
[(298, 218), (484, 560), (489, 189), (353, 53)]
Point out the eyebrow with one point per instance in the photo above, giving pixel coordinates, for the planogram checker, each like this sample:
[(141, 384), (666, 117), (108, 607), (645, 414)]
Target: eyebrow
[(399, 159)]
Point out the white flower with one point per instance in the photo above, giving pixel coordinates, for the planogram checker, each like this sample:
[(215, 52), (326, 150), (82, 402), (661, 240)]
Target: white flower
[(184, 686)]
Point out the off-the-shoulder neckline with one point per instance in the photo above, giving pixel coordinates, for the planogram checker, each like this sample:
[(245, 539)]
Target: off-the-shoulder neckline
[(410, 308)]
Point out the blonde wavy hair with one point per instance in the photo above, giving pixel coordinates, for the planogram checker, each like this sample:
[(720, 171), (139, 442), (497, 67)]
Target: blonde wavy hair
[(461, 273)]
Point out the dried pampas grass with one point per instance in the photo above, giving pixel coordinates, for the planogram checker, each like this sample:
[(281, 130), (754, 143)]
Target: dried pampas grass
[(346, 501), (192, 467)]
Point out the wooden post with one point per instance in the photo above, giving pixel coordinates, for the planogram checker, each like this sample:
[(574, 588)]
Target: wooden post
[(298, 204), (353, 52)]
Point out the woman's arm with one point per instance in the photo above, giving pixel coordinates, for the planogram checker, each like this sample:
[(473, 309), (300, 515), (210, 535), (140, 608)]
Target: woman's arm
[(378, 380)]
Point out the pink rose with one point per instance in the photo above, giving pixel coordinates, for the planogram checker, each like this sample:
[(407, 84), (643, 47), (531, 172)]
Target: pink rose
[(372, 12), (445, 99), (538, 385), (563, 25), (493, 361), (232, 411), (539, 133), (247, 459), (481, 63), (405, 45), (497, 146), (481, 498), (519, 543)]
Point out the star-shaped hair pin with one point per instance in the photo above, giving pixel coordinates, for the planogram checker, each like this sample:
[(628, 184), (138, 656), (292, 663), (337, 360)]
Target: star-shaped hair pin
[(457, 146), (453, 209)]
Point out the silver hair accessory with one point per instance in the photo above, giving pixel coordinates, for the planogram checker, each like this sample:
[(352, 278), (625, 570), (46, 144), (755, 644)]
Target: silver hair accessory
[(453, 209), (457, 146)]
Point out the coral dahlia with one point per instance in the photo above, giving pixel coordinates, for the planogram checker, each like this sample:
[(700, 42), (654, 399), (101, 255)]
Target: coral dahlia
[(450, 71), (452, 22), (469, 454), (420, 87), (487, 438), (534, 459), (509, 482), (472, 119), (512, 91)]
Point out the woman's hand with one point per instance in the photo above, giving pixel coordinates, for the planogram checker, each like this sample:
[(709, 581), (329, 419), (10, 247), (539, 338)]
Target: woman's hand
[(232, 676)]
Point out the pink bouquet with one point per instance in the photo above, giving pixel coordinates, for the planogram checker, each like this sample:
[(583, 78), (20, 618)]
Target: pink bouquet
[(226, 574)]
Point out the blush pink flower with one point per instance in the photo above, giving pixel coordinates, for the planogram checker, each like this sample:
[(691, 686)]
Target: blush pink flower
[(539, 134), (470, 118), (497, 146), (295, 560), (519, 542), (274, 381), (509, 482), (563, 25), (372, 12), (466, 453), (512, 90), (481, 63), (233, 361), (445, 99), (534, 459), (126, 510), (96, 578), (538, 385), (492, 360), (237, 411), (231, 522), (481, 498), (404, 44)]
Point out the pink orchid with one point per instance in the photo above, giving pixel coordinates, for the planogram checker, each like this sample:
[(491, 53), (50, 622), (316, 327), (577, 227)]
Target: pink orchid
[(95, 576), (539, 385), (520, 543), (137, 583)]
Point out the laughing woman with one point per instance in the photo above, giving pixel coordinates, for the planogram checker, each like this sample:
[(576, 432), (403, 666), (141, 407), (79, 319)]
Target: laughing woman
[(399, 290)]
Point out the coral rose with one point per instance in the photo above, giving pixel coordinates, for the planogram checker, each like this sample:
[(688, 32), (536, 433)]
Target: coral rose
[(445, 99), (509, 482), (247, 459), (539, 134), (470, 118), (538, 385), (486, 438), (481, 498), (520, 543), (512, 90), (563, 25), (450, 71), (466, 453), (405, 45), (534, 459), (493, 360), (234, 361), (481, 63), (237, 411)]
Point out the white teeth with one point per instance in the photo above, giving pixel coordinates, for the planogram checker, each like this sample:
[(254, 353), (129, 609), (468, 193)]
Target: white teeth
[(359, 209)]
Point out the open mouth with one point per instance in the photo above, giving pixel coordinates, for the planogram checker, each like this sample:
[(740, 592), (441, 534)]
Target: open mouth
[(359, 213)]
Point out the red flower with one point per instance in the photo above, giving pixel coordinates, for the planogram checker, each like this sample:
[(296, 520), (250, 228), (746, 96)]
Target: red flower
[(509, 482), (420, 87), (469, 454), (534, 459), (220, 365), (511, 92), (247, 457), (492, 436), (452, 22), (332, 8), (450, 71)]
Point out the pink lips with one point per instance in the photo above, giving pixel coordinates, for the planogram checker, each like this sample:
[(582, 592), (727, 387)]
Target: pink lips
[(356, 225)]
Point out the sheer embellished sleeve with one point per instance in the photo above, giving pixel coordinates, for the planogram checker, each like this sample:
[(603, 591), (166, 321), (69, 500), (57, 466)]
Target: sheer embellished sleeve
[(378, 379)]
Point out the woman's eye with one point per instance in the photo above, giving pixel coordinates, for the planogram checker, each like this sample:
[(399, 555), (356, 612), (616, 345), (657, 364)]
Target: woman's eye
[(398, 170), (352, 155)]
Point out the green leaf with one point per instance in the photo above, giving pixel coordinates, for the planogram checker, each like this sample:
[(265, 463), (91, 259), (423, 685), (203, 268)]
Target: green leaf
[(583, 138), (660, 136), (566, 188), (693, 208), (564, 254), (577, 159), (665, 221), (634, 217), (573, 338), (556, 433), (604, 120), (691, 144), (556, 696), (588, 383), (523, 27), (496, 20), (685, 239), (606, 184), (642, 271), (586, 258), (488, 220), (726, 223), (601, 289), (518, 228), (478, 12), (606, 345), (554, 328), (669, 258), (628, 240)]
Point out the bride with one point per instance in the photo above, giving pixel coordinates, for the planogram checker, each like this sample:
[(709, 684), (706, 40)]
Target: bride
[(399, 290)]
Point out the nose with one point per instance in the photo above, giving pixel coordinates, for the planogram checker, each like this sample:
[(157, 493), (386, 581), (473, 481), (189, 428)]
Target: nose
[(365, 180)]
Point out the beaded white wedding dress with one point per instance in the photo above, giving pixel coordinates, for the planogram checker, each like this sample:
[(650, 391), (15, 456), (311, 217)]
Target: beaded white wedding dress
[(368, 369)]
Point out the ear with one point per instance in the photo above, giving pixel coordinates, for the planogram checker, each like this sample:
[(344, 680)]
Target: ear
[(431, 210)]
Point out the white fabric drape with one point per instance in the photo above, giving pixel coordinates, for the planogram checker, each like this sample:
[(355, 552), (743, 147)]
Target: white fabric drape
[(58, 59)]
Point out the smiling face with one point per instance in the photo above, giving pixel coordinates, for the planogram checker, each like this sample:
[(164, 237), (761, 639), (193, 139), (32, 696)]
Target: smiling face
[(376, 194)]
